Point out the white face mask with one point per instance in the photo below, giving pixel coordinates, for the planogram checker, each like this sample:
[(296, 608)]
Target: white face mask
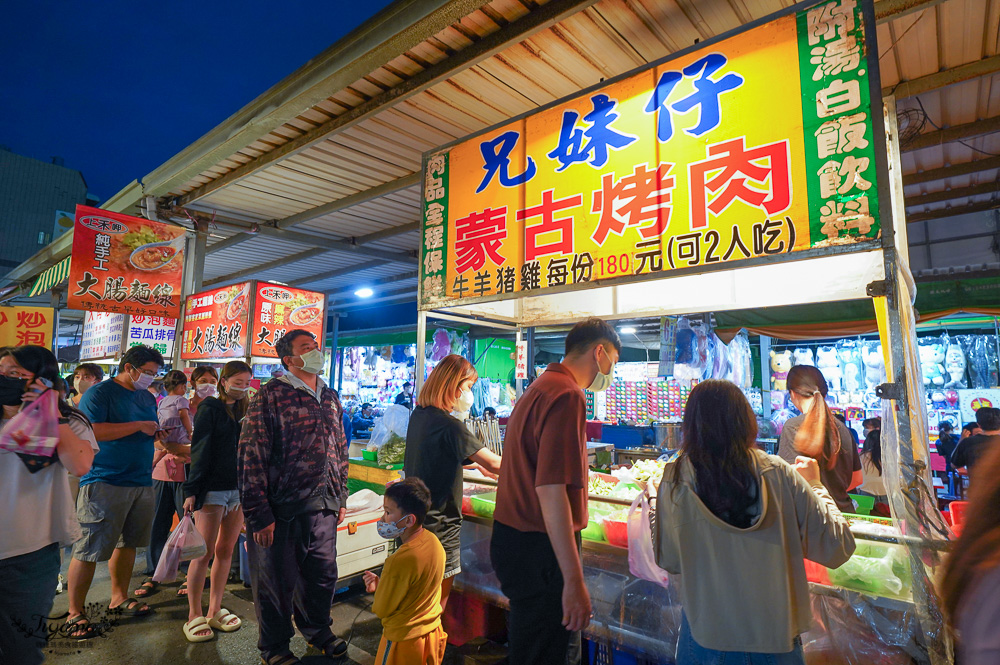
[(312, 362), (602, 381), (465, 401), (142, 381), (206, 390)]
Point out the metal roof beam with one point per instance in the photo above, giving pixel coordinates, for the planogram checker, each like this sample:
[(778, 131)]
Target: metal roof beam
[(342, 245), (408, 293), (270, 265), (953, 171), (537, 20), (378, 191), (374, 282), (953, 212), (944, 78), (339, 272), (952, 194), (969, 130), (890, 10)]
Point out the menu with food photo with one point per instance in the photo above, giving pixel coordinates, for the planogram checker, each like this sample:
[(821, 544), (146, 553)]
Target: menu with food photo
[(125, 264), (278, 309), (216, 323)]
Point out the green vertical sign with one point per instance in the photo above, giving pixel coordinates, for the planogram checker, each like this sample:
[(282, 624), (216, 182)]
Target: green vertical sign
[(837, 123), (434, 232)]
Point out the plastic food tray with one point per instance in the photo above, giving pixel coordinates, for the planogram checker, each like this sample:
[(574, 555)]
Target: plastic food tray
[(484, 504), (616, 532), (593, 532)]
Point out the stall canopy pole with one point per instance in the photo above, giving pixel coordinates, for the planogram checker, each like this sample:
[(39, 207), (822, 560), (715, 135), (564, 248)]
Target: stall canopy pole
[(333, 345), (765, 376), (421, 364), (198, 260), (531, 353), (56, 297)]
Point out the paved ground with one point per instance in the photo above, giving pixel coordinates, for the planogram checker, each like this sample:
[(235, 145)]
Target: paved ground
[(157, 639)]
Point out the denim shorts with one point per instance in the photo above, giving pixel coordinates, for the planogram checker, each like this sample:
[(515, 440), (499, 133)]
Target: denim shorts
[(230, 499)]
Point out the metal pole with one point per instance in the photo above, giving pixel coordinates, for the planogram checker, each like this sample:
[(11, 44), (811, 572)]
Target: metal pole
[(198, 260), (340, 373), (421, 363), (531, 354), (765, 376), (55, 322), (333, 345)]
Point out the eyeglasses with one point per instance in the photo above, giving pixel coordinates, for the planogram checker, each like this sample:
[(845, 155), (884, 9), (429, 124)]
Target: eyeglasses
[(15, 373)]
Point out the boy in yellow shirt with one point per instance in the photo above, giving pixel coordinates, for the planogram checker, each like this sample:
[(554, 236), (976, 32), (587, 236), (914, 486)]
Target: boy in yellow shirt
[(408, 596)]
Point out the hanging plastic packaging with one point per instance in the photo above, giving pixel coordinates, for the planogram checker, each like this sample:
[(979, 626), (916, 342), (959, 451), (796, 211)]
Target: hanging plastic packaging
[(389, 435), (184, 544), (641, 558), (35, 429)]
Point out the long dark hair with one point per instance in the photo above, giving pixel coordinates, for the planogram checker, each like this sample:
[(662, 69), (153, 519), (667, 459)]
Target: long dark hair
[(718, 435), (873, 448), (237, 409), (818, 436), (43, 364), (978, 546)]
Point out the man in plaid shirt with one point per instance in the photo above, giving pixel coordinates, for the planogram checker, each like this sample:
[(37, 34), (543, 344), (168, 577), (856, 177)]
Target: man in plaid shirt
[(293, 487)]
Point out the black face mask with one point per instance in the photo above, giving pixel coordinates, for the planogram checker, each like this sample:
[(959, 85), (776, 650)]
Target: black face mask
[(11, 390)]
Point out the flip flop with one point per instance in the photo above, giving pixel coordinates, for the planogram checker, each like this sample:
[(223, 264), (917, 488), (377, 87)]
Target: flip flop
[(147, 588), (131, 608), (223, 621), (79, 628), (195, 626)]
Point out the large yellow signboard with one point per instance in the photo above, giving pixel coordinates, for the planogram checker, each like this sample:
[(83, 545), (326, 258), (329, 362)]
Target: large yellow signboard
[(756, 145)]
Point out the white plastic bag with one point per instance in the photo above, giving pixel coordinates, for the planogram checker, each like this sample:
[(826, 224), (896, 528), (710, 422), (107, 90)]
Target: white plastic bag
[(641, 557), (389, 434), (363, 501), (184, 544)]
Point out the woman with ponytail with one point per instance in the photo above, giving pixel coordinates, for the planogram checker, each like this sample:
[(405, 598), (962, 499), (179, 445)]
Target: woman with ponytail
[(817, 434)]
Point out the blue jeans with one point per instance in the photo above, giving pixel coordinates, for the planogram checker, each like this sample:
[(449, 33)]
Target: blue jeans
[(690, 652), (27, 587)]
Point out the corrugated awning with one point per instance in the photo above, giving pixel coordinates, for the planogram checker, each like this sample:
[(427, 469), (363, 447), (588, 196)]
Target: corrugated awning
[(51, 277)]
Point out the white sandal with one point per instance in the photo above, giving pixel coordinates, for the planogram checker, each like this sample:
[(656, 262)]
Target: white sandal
[(221, 621), (195, 626)]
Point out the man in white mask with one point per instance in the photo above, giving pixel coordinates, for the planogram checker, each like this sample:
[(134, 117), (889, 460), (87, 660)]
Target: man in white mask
[(115, 504), (292, 511), (541, 505)]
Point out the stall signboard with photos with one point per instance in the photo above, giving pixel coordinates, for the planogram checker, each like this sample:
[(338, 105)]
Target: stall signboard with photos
[(246, 320), (216, 323), (125, 264), (758, 145), (278, 309)]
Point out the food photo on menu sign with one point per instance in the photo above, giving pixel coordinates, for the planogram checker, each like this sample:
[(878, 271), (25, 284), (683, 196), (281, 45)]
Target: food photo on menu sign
[(279, 309), (216, 323), (125, 264)]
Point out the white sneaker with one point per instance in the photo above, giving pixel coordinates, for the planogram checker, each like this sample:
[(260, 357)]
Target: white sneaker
[(61, 584)]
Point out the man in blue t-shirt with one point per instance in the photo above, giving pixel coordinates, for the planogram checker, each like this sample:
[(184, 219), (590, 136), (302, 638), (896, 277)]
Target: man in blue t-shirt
[(116, 497)]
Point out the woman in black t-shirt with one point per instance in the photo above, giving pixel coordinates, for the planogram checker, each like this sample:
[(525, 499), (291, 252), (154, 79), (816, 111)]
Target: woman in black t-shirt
[(438, 444)]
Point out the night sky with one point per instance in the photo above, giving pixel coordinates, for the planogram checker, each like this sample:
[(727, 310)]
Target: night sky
[(116, 88)]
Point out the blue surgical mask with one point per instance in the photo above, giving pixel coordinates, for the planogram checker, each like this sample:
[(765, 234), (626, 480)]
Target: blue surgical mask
[(390, 530)]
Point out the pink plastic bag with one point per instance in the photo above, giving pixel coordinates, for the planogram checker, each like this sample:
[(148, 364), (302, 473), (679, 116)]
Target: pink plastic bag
[(35, 429), (184, 544), (641, 557)]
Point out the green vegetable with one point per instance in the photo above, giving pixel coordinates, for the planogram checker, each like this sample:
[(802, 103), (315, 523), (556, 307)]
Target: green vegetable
[(393, 450), (137, 239)]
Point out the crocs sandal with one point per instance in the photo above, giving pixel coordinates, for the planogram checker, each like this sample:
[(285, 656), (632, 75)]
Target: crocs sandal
[(132, 608), (281, 659), (79, 628), (334, 647), (223, 620), (195, 626), (147, 588)]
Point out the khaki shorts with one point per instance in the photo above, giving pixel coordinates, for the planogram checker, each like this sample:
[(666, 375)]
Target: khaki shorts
[(110, 517)]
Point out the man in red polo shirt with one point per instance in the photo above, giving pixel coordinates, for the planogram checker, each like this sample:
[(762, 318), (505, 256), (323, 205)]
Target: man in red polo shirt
[(542, 501)]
